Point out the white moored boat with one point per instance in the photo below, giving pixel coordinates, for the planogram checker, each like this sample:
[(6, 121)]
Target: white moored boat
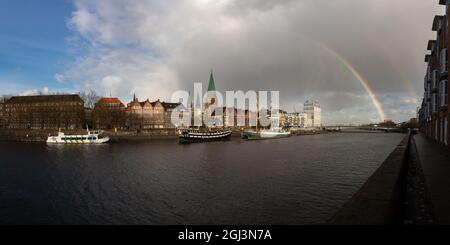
[(265, 134), (92, 137), (274, 133)]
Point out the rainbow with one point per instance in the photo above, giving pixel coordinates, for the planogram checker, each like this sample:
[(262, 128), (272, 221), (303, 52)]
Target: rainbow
[(376, 102)]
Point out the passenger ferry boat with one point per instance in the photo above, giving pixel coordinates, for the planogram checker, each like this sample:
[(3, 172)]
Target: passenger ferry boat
[(204, 134), (92, 137)]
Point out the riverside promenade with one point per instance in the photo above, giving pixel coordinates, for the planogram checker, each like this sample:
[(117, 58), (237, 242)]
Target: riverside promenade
[(411, 187), (435, 162), (379, 201)]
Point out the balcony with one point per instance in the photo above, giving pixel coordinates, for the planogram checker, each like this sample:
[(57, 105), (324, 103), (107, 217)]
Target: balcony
[(425, 81), (434, 81), (428, 76)]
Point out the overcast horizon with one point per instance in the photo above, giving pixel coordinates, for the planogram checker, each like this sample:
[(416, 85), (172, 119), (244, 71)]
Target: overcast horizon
[(306, 49)]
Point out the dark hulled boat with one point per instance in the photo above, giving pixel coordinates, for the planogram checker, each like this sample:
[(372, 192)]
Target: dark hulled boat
[(204, 134)]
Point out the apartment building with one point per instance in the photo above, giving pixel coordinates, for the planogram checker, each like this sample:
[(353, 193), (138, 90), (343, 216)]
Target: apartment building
[(299, 120), (434, 113)]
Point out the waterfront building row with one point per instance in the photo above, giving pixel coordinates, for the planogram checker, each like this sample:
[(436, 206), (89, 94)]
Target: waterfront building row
[(111, 113), (68, 112), (434, 112), (52, 112)]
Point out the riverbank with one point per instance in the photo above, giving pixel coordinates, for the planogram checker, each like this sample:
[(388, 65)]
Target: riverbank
[(41, 135), (122, 135), (299, 132)]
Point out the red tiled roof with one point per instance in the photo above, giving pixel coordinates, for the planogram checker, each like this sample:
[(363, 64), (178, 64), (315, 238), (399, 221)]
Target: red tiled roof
[(145, 102), (110, 101), (134, 103), (156, 102)]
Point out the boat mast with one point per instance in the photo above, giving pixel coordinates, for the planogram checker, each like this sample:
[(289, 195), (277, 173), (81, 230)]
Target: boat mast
[(257, 111), (192, 122)]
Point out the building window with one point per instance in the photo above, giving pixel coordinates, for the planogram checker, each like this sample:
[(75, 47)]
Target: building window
[(435, 104), (434, 80), (443, 91), (446, 130), (436, 130)]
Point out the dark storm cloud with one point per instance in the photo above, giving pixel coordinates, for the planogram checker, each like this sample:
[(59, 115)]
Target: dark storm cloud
[(155, 47)]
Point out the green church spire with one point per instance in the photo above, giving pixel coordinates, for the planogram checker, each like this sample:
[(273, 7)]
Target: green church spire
[(212, 84)]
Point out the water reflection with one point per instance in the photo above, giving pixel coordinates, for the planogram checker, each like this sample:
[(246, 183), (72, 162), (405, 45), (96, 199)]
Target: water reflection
[(299, 180)]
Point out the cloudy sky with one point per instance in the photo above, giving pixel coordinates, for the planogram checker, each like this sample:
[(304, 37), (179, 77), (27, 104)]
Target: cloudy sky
[(155, 47)]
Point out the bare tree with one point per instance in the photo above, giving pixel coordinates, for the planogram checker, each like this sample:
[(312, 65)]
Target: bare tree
[(4, 98), (89, 98)]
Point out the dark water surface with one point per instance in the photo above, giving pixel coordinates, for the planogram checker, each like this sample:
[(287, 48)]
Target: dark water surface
[(299, 180)]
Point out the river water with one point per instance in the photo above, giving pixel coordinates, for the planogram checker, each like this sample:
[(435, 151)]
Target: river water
[(298, 180)]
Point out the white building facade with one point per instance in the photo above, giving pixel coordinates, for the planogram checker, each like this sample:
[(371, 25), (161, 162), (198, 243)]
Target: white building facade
[(314, 114)]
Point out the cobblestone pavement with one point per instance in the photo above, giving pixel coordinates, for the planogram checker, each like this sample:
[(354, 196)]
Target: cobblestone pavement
[(417, 207)]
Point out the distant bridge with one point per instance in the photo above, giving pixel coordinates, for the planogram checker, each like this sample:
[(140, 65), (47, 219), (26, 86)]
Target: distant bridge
[(346, 128)]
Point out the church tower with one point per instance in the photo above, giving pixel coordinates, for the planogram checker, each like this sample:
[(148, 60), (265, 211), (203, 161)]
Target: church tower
[(211, 97), (212, 84)]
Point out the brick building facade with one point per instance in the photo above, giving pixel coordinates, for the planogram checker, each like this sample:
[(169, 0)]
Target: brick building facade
[(44, 112), (150, 115), (108, 113)]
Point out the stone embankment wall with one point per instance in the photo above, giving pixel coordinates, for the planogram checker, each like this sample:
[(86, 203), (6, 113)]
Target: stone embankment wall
[(379, 201)]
